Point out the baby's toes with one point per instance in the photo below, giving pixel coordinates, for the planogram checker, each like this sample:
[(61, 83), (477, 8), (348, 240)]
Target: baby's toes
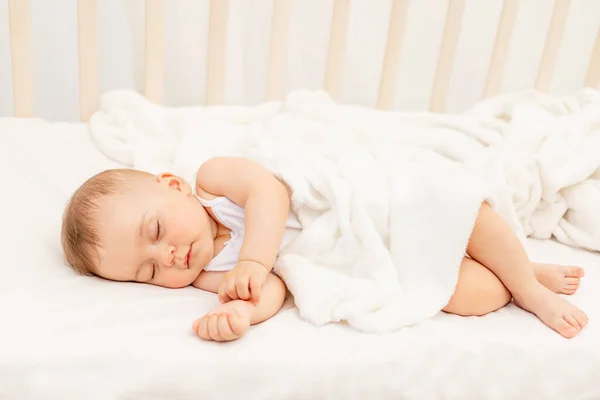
[(574, 271), (569, 291), (581, 318), (567, 327), (571, 285), (571, 281), (570, 318)]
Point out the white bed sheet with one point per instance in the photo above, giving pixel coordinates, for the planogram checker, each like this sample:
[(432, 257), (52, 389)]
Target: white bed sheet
[(69, 337)]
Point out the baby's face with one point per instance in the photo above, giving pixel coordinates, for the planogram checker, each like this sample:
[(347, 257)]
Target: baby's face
[(156, 233)]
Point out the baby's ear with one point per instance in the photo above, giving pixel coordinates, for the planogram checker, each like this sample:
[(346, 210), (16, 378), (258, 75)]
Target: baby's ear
[(174, 182)]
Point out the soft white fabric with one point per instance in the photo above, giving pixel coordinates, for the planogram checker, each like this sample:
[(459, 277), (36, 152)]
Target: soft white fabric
[(232, 216), (387, 199), (353, 196), (68, 337)]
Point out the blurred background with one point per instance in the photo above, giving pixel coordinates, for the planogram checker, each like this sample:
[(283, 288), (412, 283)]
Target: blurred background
[(121, 41)]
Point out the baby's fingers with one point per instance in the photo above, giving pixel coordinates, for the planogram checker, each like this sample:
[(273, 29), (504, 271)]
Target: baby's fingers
[(241, 285), (227, 291), (222, 292), (225, 329), (213, 327), (256, 285), (231, 289), (200, 326)]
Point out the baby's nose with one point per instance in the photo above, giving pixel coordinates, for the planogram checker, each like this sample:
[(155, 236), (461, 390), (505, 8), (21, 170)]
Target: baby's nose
[(170, 256)]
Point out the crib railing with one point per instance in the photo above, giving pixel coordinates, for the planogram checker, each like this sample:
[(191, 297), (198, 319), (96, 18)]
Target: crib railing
[(20, 48)]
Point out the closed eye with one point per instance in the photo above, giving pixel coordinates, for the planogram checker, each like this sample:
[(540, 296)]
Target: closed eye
[(153, 271), (157, 230)]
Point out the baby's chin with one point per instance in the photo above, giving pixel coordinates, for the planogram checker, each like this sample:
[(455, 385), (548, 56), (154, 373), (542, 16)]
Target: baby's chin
[(178, 283), (201, 256)]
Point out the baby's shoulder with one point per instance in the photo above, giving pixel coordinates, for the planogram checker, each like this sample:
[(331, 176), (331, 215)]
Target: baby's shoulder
[(204, 194)]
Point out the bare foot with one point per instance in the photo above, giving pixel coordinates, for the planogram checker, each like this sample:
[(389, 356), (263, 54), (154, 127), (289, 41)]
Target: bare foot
[(563, 279), (552, 310)]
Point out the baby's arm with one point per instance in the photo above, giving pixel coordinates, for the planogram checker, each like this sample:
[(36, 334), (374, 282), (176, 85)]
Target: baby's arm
[(265, 201), (231, 320), (266, 204)]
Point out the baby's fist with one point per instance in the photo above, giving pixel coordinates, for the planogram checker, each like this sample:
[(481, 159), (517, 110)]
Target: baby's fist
[(244, 282), (226, 322)]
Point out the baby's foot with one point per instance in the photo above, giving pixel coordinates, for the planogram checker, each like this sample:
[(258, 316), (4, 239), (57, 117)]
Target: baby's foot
[(563, 279), (553, 310)]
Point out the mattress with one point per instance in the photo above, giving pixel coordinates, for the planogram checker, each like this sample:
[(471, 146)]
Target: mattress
[(69, 337)]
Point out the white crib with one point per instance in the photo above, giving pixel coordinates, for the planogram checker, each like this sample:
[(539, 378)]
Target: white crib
[(69, 337)]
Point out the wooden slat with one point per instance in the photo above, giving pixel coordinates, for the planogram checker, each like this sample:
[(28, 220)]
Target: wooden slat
[(278, 49), (501, 46), (89, 78), (448, 48), (592, 77), (155, 50), (553, 40), (389, 72), (20, 52), (217, 48), (337, 47)]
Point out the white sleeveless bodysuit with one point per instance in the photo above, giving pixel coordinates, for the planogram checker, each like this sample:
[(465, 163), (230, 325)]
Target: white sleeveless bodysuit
[(231, 216)]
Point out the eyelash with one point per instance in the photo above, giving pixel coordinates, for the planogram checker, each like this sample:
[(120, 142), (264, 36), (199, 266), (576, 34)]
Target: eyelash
[(157, 236)]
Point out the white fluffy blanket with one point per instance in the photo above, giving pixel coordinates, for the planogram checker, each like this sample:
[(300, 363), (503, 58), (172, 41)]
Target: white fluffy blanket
[(387, 199)]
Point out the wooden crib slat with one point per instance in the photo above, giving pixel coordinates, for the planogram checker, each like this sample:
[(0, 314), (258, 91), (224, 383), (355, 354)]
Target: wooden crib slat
[(278, 49), (155, 50), (337, 47), (448, 48), (501, 46), (20, 52), (552, 45), (389, 72), (217, 49), (592, 77), (89, 78)]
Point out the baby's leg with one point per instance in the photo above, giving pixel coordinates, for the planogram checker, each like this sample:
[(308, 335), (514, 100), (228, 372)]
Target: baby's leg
[(478, 291), (494, 245)]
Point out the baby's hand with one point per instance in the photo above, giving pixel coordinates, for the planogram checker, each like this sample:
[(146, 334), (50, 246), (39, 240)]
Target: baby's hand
[(244, 282), (226, 322)]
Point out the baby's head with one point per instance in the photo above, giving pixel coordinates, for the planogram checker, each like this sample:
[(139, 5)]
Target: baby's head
[(129, 225)]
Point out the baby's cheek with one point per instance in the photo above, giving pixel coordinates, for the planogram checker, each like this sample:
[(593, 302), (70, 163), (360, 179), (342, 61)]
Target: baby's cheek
[(207, 248), (190, 224), (176, 280)]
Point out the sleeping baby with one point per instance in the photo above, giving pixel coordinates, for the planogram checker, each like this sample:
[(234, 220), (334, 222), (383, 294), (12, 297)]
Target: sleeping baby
[(224, 236)]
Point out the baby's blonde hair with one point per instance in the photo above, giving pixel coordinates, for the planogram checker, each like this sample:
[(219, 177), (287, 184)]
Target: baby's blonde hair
[(79, 237)]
